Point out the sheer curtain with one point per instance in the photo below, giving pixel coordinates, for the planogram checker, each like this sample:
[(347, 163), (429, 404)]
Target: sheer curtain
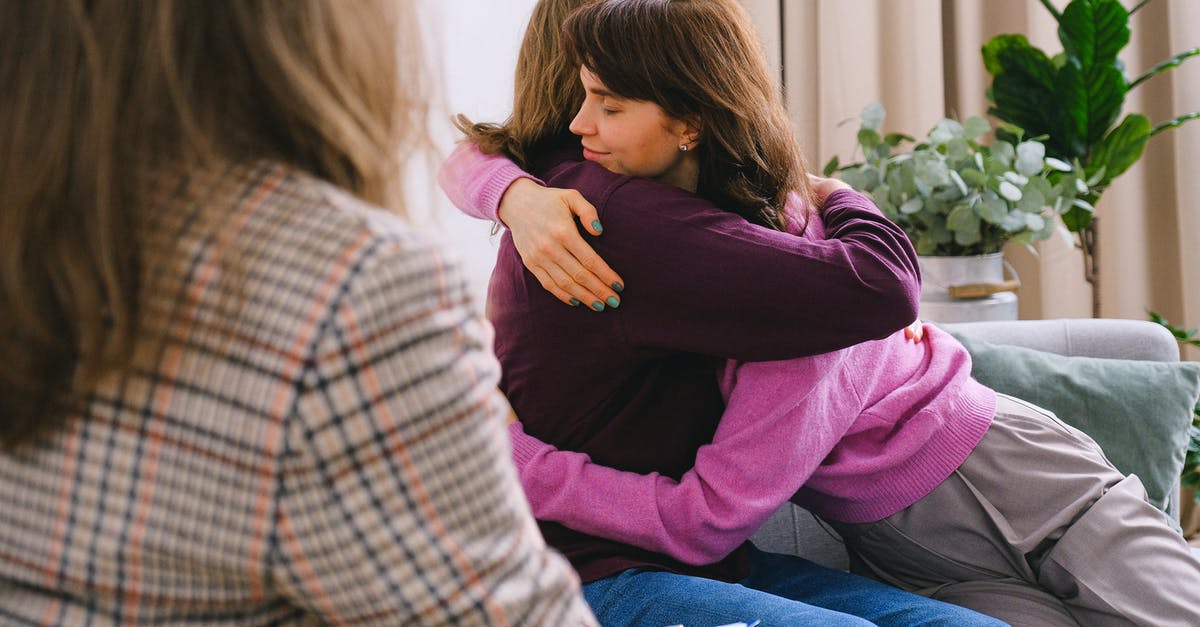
[(921, 59)]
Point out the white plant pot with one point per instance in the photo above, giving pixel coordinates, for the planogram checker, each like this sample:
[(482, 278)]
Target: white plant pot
[(940, 274)]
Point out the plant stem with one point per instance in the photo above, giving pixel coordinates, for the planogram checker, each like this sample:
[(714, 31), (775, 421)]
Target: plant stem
[(1091, 265), (1138, 6), (1053, 11), (1195, 115), (1173, 62)]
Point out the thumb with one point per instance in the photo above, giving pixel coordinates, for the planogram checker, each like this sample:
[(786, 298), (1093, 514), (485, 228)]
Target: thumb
[(585, 211)]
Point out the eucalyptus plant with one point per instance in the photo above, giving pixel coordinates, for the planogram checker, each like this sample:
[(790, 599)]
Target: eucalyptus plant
[(955, 196), (1074, 99)]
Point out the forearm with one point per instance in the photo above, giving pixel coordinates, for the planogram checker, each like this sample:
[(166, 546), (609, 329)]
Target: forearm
[(720, 502), (714, 284), (475, 182)]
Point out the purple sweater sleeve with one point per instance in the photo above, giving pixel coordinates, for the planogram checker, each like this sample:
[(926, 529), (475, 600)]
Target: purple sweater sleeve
[(753, 465), (476, 182), (705, 281)]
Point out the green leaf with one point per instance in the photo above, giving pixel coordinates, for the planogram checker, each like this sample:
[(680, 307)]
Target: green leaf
[(868, 138), (1031, 157), (873, 116), (993, 209), (1078, 216), (992, 49), (1121, 148), (1023, 89), (1090, 86), (1093, 32), (912, 205), (975, 126), (895, 139), (831, 166)]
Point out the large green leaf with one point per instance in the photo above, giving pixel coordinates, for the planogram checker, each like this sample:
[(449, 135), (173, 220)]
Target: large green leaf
[(1091, 87), (1093, 32), (1090, 101), (1024, 86), (1121, 148)]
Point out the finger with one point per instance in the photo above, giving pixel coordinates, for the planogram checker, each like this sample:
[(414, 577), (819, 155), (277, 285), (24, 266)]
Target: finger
[(566, 283), (548, 284), (586, 256), (578, 280), (585, 210)]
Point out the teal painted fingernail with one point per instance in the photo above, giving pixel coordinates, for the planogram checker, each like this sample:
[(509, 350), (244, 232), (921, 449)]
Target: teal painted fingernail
[(596, 226), (613, 302), (575, 302), (598, 306), (618, 287)]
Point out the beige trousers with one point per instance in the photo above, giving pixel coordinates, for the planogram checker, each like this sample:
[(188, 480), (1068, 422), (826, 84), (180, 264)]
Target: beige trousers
[(1036, 528)]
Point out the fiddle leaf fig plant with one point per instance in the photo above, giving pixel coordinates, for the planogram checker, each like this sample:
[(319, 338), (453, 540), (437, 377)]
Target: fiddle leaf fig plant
[(954, 195), (1074, 99)]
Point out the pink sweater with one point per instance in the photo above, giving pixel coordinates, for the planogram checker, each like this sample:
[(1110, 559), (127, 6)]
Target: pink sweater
[(853, 435)]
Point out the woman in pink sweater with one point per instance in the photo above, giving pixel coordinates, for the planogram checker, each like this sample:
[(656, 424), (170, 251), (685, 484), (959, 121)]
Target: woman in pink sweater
[(937, 484)]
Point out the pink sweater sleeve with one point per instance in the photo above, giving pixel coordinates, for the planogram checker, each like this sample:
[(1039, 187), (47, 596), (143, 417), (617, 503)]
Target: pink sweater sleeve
[(781, 421), (476, 182)]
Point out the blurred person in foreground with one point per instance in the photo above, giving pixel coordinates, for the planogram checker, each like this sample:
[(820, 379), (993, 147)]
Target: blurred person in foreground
[(233, 388)]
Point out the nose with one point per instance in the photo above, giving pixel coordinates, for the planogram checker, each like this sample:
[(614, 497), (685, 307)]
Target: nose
[(582, 124)]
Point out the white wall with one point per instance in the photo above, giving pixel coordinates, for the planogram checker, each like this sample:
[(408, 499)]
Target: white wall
[(473, 49)]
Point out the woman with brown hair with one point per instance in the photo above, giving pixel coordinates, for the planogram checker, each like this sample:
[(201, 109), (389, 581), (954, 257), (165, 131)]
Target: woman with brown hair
[(232, 388), (645, 398), (937, 483)]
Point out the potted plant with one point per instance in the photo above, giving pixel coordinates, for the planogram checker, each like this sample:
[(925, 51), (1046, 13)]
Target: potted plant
[(960, 201), (1074, 100)]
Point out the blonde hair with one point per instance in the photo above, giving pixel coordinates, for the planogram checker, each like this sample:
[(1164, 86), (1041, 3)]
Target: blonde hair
[(100, 94), (546, 90)]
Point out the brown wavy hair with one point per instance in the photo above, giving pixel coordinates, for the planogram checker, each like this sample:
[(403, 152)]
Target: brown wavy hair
[(546, 90), (700, 58), (98, 95)]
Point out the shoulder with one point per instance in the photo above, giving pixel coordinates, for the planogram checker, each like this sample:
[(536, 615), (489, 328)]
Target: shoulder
[(319, 226), (308, 247), (618, 195)]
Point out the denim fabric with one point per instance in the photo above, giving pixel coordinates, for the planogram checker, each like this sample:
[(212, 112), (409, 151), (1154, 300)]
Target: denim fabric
[(781, 591)]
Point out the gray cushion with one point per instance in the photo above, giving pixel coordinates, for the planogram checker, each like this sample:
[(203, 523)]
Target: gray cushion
[(1138, 411)]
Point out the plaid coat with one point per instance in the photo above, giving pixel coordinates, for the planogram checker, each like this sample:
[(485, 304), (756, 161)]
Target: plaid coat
[(317, 437)]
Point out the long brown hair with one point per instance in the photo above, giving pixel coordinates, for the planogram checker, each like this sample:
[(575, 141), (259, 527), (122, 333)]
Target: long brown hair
[(546, 89), (700, 58), (100, 94)]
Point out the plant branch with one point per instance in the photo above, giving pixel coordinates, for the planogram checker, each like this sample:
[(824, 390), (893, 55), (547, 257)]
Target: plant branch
[(1175, 122), (1053, 11), (1138, 6), (1173, 62)]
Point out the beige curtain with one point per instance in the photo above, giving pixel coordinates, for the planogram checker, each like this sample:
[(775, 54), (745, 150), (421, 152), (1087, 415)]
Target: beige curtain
[(921, 59)]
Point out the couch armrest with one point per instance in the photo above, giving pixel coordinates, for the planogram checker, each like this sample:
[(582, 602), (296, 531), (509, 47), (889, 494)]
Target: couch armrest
[(1086, 337)]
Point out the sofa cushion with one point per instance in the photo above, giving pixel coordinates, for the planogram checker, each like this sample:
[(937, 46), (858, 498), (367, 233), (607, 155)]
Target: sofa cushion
[(1138, 411)]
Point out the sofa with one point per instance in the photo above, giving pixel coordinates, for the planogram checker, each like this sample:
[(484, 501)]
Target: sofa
[(795, 531)]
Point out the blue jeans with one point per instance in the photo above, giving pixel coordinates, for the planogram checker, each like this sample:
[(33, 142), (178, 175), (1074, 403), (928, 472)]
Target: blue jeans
[(782, 590)]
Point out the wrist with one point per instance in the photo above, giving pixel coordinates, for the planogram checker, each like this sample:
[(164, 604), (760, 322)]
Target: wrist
[(514, 195)]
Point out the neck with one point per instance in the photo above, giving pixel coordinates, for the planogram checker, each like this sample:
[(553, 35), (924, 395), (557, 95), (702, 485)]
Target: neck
[(685, 174)]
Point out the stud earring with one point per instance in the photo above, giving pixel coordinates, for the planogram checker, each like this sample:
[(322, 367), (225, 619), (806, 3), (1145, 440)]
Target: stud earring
[(683, 147)]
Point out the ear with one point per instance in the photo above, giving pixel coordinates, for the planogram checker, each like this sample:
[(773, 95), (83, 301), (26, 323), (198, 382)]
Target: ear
[(693, 127)]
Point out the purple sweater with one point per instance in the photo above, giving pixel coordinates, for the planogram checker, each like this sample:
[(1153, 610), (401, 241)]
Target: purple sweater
[(635, 388)]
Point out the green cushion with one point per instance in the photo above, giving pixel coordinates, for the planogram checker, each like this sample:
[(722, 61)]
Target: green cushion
[(1138, 411)]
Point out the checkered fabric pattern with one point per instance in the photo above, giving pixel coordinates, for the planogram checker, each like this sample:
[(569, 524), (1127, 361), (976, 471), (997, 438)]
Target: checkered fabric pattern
[(318, 438)]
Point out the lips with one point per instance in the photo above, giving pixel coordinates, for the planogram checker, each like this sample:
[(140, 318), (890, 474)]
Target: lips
[(592, 155)]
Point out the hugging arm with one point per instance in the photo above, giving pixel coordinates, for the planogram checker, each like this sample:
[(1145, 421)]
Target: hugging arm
[(760, 456), (541, 219)]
